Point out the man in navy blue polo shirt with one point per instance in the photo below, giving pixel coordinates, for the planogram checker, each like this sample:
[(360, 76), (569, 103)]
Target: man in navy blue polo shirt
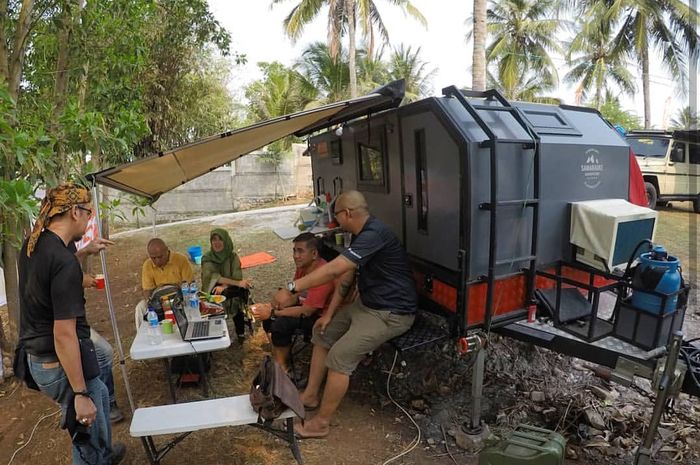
[(343, 336)]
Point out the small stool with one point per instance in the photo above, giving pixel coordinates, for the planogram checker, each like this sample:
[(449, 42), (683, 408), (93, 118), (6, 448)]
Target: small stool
[(527, 445)]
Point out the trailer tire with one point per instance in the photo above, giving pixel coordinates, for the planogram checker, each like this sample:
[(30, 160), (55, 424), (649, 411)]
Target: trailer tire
[(652, 195), (696, 204)]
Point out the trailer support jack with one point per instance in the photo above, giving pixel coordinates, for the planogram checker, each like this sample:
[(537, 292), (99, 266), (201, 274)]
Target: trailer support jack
[(643, 456), (474, 431)]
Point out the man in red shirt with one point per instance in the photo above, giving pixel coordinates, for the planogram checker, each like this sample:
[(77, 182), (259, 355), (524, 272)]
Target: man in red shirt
[(303, 309)]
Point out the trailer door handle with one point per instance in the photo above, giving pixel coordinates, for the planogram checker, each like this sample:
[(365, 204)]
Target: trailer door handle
[(408, 200)]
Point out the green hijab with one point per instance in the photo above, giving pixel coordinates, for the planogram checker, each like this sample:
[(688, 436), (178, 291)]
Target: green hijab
[(220, 264), (219, 257)]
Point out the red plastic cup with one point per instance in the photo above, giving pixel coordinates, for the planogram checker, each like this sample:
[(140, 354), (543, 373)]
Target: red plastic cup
[(100, 279)]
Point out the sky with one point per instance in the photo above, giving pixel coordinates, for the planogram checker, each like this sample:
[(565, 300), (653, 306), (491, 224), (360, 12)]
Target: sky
[(257, 31)]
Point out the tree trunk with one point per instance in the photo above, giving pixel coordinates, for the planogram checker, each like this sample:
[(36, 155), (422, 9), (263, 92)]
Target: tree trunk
[(645, 87), (350, 7), (479, 37), (68, 20), (11, 62), (10, 255), (16, 60)]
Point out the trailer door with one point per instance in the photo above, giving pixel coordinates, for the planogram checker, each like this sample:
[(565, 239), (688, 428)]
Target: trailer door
[(431, 190)]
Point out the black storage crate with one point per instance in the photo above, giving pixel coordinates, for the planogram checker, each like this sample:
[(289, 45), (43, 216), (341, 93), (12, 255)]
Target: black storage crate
[(571, 311), (645, 329)]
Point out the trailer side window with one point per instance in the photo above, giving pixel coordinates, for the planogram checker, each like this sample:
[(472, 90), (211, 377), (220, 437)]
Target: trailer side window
[(372, 162), (421, 179)]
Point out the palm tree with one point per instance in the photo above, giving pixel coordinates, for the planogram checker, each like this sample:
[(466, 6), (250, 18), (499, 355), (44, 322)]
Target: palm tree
[(281, 91), (372, 71), (329, 76), (667, 26), (405, 63), (600, 60), (342, 15), (479, 47), (524, 32), (529, 86), (685, 119)]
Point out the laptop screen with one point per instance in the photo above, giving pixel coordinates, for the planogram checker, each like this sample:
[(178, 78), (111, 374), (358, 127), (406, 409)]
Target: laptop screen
[(181, 320)]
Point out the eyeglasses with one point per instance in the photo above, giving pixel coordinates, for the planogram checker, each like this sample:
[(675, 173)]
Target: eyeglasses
[(344, 210), (89, 210)]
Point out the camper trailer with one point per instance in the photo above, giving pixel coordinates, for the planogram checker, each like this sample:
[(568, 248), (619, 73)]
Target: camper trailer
[(479, 189)]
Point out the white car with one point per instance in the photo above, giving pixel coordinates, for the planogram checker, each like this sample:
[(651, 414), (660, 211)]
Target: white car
[(670, 164)]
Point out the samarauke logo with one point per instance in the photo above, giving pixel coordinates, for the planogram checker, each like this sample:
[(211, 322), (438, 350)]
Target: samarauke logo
[(592, 169)]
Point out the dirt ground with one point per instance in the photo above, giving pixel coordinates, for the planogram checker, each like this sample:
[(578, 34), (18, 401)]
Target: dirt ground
[(368, 429)]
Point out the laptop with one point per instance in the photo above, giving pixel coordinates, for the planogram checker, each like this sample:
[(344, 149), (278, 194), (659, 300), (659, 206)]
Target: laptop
[(198, 330)]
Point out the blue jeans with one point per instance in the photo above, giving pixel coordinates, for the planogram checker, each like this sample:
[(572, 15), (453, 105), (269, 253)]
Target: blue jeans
[(54, 384), (105, 357)]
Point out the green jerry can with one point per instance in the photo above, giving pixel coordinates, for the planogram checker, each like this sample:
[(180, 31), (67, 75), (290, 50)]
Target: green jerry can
[(527, 445)]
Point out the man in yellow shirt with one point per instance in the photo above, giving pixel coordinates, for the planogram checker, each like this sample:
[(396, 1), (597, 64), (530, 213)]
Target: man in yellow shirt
[(163, 267)]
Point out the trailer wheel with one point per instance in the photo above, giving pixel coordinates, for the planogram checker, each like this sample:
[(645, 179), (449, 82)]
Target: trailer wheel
[(696, 204), (652, 195)]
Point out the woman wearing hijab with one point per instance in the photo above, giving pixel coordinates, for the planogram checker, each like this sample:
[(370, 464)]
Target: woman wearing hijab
[(222, 274)]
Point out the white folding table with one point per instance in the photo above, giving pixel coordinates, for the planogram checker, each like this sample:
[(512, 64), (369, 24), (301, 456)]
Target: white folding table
[(174, 346)]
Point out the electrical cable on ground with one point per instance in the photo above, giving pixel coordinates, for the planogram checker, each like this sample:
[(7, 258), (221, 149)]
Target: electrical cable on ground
[(31, 435), (413, 444)]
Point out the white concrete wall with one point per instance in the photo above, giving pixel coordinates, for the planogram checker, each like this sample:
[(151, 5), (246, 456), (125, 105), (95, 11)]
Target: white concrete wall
[(247, 182)]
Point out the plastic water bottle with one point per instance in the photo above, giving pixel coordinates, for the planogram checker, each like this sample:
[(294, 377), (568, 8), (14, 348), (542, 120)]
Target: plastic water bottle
[(154, 335), (194, 297), (185, 291), (194, 302)]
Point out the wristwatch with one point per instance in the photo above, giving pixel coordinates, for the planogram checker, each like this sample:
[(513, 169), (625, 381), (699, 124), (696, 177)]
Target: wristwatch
[(81, 393), (291, 287)]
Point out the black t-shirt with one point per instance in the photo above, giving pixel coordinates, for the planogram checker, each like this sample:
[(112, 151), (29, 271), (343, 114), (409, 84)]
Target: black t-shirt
[(50, 288), (385, 280)]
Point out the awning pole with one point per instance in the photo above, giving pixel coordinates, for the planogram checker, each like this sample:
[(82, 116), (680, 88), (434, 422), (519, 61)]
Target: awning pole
[(112, 315)]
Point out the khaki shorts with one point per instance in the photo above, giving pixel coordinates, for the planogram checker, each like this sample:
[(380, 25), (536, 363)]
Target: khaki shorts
[(357, 330)]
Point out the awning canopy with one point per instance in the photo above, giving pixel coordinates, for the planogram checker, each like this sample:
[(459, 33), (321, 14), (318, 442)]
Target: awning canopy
[(152, 176)]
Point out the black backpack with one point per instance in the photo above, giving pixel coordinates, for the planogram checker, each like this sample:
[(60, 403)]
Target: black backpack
[(174, 294)]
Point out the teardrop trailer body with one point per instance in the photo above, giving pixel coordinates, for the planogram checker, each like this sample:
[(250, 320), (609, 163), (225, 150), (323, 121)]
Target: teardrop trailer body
[(481, 192)]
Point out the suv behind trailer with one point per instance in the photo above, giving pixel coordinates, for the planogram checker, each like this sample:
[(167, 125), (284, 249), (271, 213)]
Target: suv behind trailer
[(670, 163)]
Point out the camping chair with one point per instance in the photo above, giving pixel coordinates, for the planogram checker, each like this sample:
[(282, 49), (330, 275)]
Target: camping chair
[(139, 312), (301, 340)]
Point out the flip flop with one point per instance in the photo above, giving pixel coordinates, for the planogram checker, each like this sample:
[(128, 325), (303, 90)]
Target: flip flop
[(301, 433)]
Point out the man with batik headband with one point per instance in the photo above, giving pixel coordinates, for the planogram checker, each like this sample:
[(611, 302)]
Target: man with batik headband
[(53, 328)]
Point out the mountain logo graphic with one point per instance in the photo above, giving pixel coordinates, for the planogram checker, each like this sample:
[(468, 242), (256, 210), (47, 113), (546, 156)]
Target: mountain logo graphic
[(592, 169)]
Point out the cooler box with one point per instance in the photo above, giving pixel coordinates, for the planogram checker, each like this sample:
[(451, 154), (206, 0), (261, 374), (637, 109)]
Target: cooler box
[(606, 232), (527, 445)]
